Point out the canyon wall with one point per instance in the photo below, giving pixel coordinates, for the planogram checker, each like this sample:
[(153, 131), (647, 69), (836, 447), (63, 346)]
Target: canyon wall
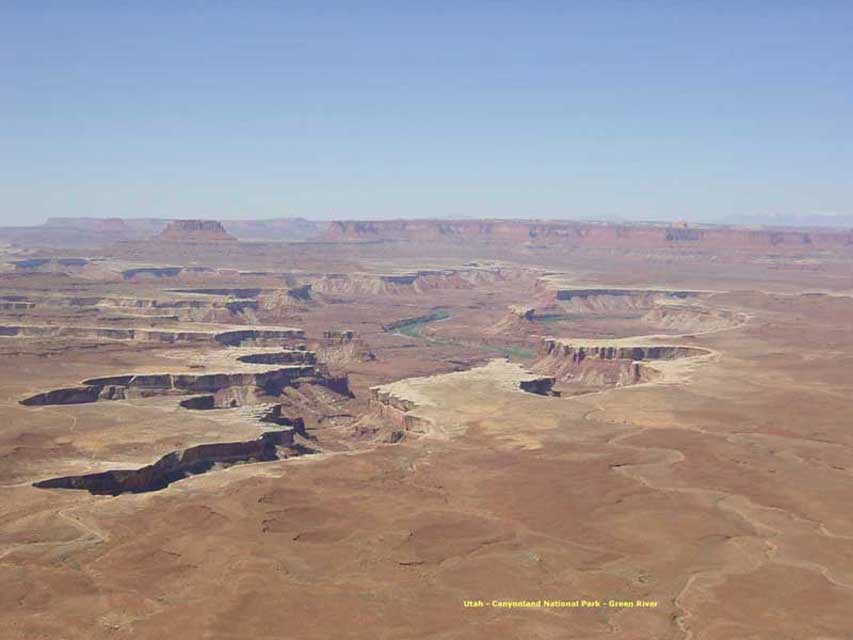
[(604, 364), (177, 465)]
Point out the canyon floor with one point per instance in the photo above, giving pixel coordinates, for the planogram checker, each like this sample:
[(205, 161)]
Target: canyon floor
[(400, 440)]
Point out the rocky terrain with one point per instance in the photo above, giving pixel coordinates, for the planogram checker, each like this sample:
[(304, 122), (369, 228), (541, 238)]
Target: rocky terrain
[(286, 428)]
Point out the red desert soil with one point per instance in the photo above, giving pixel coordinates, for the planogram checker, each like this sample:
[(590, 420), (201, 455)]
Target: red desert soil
[(356, 435)]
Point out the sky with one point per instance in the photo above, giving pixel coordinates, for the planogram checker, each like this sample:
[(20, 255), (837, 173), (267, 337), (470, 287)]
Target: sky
[(617, 110)]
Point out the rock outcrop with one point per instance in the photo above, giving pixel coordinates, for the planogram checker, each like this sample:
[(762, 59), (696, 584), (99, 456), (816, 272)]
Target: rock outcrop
[(592, 363), (339, 348), (540, 386), (390, 418)]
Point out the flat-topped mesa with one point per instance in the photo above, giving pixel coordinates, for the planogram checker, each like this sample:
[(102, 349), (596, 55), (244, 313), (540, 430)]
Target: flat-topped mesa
[(195, 231), (594, 363), (638, 236)]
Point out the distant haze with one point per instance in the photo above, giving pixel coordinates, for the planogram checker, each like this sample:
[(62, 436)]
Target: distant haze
[(734, 112)]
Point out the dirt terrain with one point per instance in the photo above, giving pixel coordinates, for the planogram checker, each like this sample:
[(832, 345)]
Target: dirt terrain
[(425, 429)]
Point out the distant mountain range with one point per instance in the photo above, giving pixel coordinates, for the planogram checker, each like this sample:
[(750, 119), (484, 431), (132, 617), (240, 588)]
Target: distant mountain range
[(748, 231), (70, 232)]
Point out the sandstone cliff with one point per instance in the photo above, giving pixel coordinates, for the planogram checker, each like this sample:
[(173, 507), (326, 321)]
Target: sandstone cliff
[(599, 363)]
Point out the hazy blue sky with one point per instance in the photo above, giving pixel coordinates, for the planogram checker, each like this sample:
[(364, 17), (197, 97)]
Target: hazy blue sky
[(385, 109)]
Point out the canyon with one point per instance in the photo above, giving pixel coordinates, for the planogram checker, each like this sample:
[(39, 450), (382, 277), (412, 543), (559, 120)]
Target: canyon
[(361, 425), (178, 465)]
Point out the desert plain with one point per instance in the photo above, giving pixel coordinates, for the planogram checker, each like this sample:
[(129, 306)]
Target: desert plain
[(425, 429)]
